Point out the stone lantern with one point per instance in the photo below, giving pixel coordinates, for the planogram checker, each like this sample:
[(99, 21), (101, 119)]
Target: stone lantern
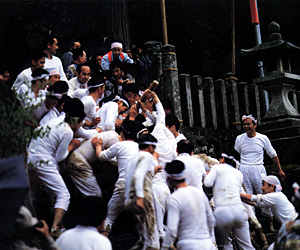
[(278, 80), (282, 120)]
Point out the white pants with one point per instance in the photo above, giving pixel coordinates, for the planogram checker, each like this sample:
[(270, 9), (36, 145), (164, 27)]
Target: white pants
[(115, 205), (45, 169), (232, 218), (196, 244), (161, 193), (253, 176)]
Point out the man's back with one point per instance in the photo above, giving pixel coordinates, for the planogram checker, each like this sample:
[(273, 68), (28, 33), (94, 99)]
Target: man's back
[(83, 237)]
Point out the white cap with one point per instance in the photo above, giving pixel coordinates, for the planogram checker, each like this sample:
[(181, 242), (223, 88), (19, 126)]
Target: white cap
[(116, 45), (53, 71), (273, 180)]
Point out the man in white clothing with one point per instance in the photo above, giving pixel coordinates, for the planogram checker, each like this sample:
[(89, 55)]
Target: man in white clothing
[(251, 146), (44, 153), (230, 214), (272, 197), (37, 62), (138, 191), (124, 151), (86, 235), (80, 82), (173, 125), (50, 47), (109, 112), (190, 217), (96, 89), (194, 167)]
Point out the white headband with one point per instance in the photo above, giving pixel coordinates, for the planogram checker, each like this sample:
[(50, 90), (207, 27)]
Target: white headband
[(273, 180), (116, 45), (46, 76), (179, 176), (237, 163), (118, 98), (57, 95), (95, 86), (244, 117), (53, 71), (141, 132), (148, 143)]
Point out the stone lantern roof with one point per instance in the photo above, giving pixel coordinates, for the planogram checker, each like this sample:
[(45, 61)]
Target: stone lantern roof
[(275, 52)]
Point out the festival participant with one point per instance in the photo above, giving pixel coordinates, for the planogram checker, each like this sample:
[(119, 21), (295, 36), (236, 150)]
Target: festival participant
[(115, 54), (89, 223), (37, 62), (190, 217), (44, 153), (230, 214), (124, 151), (79, 56), (50, 44), (83, 73), (251, 145), (166, 148), (109, 113), (272, 197), (96, 89), (131, 92), (54, 75), (194, 167), (138, 191), (173, 125)]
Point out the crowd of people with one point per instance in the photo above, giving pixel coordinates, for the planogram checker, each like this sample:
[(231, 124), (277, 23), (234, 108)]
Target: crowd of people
[(88, 112)]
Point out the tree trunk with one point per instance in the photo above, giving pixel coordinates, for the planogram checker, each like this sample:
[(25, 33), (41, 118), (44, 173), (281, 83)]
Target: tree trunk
[(119, 22)]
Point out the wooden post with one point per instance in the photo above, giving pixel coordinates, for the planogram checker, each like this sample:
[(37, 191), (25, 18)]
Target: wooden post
[(164, 21)]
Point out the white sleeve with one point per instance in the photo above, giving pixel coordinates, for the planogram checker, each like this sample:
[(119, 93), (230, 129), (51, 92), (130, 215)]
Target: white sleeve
[(151, 116), (172, 223), (62, 72), (264, 200), (89, 109), (143, 166), (161, 116), (110, 153), (211, 177), (110, 121), (237, 145), (62, 150), (268, 148), (211, 222)]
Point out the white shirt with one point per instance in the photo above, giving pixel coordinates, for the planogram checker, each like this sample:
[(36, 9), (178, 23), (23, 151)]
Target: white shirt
[(89, 108), (108, 114), (74, 84), (124, 151), (23, 77), (226, 182), (52, 114), (166, 144), (282, 209), (27, 97), (56, 143), (55, 62), (83, 237), (80, 93), (189, 216), (180, 137), (252, 149), (137, 168), (195, 171)]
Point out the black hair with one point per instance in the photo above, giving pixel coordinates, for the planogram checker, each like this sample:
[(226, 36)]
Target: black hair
[(185, 146), (78, 68), (116, 64), (131, 87), (91, 211), (130, 129), (48, 40), (229, 161), (63, 85), (167, 104), (73, 109), (95, 80), (54, 89), (140, 118), (175, 167), (3, 68), (77, 52), (64, 99), (172, 120), (145, 137), (38, 72), (72, 43), (37, 55)]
